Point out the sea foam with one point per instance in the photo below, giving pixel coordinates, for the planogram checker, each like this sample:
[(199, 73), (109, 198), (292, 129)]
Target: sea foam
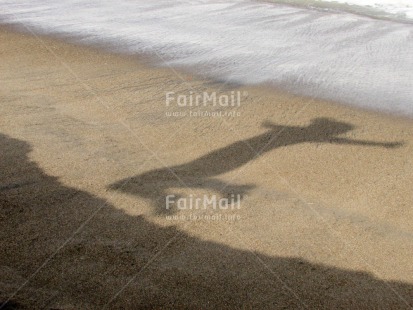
[(318, 53)]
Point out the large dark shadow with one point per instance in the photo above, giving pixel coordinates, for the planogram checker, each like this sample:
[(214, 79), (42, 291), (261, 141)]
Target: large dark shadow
[(200, 173), (38, 214)]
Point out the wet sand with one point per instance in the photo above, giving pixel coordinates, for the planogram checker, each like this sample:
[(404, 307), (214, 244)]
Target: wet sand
[(90, 149)]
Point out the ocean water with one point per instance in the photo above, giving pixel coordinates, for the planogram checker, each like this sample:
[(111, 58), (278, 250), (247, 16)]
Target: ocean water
[(315, 48), (397, 10)]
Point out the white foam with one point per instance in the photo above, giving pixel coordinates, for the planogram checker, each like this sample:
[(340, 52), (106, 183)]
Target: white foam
[(337, 56), (397, 8)]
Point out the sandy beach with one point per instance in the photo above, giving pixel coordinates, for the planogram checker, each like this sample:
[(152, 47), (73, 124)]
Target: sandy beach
[(90, 149)]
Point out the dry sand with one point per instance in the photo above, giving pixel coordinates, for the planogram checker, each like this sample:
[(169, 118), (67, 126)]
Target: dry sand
[(88, 155)]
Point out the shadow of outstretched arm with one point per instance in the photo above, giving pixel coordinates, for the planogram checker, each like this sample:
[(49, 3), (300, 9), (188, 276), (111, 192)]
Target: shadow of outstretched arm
[(389, 145)]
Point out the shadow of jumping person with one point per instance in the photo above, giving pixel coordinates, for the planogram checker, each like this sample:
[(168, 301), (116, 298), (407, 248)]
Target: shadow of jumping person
[(200, 173), (64, 248)]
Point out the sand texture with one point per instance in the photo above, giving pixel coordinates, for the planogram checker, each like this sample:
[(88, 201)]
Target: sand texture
[(89, 151)]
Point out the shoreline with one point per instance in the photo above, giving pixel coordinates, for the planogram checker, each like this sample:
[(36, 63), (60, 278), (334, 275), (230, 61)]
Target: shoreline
[(328, 186), (152, 60)]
